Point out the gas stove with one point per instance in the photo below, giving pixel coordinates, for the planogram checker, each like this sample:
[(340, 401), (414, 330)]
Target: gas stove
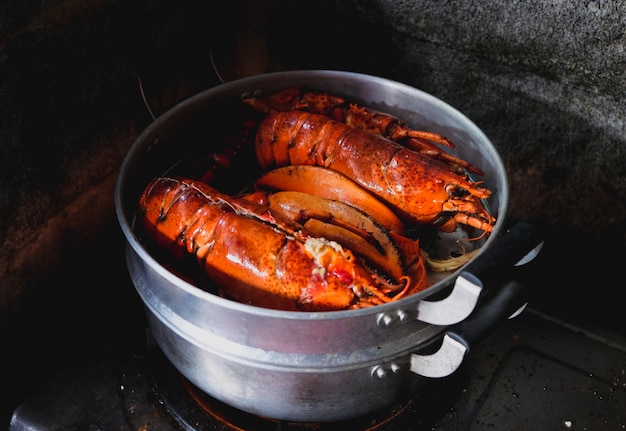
[(89, 362), (532, 373)]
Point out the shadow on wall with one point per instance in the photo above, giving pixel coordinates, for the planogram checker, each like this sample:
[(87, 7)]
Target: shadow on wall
[(71, 106)]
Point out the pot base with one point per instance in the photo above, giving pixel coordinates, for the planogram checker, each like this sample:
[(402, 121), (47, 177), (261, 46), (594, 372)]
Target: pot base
[(194, 409)]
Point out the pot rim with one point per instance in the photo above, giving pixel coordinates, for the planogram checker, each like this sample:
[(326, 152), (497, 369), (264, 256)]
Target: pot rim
[(259, 81)]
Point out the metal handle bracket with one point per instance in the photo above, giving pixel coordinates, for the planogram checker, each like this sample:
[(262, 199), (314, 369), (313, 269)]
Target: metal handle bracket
[(454, 307)]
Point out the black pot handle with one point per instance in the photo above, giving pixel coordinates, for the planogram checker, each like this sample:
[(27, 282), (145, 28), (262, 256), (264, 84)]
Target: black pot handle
[(459, 338), (502, 297), (494, 266), (497, 309)]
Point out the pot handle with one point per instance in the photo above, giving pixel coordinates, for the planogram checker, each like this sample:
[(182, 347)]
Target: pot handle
[(498, 267), (509, 300), (491, 268)]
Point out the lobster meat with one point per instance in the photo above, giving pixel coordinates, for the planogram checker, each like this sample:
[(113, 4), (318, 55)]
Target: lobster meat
[(257, 256), (419, 188)]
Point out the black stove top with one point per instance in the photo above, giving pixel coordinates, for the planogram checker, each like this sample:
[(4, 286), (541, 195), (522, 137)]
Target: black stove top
[(534, 372), (82, 358)]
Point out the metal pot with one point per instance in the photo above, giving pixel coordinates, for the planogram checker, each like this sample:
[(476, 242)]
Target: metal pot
[(321, 366)]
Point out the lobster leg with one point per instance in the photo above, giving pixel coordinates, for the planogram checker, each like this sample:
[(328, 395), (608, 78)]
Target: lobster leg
[(389, 126), (469, 212), (456, 164), (294, 99)]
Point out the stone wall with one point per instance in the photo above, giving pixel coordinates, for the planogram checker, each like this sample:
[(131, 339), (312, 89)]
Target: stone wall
[(544, 80)]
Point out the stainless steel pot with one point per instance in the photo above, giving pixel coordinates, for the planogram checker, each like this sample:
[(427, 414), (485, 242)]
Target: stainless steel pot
[(312, 366)]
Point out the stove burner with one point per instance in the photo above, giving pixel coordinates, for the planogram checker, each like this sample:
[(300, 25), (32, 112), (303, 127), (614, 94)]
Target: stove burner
[(195, 410)]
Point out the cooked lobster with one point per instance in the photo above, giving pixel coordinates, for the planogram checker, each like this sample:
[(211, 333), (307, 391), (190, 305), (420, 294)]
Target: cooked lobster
[(419, 188), (343, 248), (257, 256), (363, 118)]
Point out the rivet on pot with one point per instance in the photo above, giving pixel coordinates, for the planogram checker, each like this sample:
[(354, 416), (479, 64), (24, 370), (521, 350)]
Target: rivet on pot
[(380, 372), (395, 368), (386, 320), (403, 316)]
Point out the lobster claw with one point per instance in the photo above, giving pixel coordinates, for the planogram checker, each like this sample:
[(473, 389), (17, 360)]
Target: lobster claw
[(330, 204), (330, 184)]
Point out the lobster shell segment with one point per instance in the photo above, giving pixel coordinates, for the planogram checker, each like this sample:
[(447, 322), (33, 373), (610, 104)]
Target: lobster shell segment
[(330, 184)]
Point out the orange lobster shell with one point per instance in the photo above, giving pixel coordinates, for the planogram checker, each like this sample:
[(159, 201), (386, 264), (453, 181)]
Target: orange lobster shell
[(419, 188), (360, 117), (257, 257)]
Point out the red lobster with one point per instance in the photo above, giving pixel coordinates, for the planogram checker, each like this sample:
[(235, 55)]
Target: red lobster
[(359, 117), (259, 258), (421, 189)]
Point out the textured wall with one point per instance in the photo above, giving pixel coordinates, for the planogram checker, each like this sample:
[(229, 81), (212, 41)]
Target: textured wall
[(545, 80)]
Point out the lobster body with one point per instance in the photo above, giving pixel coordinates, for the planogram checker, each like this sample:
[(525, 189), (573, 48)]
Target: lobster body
[(360, 117), (250, 254), (419, 188)]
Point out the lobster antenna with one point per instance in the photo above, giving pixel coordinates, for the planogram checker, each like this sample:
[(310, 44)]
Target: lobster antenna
[(143, 94), (217, 72)]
